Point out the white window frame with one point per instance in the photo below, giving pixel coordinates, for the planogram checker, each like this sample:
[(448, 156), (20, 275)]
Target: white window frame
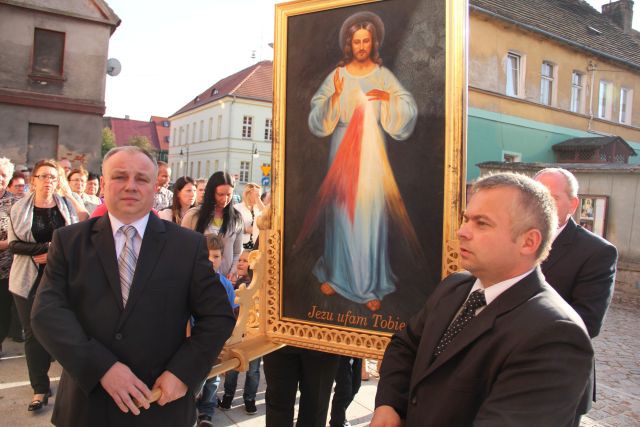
[(247, 127), (193, 132), (219, 128), (548, 80), (626, 104), (515, 89), (605, 99), (244, 171), (268, 129), (577, 92), (210, 136), (201, 130)]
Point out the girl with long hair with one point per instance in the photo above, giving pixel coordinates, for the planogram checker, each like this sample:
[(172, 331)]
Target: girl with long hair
[(184, 197), (217, 216)]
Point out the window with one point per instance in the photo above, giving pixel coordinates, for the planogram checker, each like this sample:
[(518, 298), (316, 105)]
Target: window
[(268, 129), (186, 139), (546, 83), (210, 134), (247, 124), (244, 171), (165, 123), (201, 130), (576, 92), (175, 136), (626, 97), (605, 93), (207, 172), (198, 174), (219, 128), (511, 157), (190, 172), (193, 132), (514, 75), (48, 52), (216, 165)]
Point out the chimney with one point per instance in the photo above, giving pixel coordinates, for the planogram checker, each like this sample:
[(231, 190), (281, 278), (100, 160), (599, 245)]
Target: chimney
[(126, 117), (620, 13)]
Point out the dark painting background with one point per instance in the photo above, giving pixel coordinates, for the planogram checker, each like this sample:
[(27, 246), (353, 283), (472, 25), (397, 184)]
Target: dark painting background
[(414, 50)]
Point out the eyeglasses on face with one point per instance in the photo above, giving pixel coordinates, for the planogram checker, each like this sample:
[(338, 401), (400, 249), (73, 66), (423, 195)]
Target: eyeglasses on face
[(46, 177), (77, 180)]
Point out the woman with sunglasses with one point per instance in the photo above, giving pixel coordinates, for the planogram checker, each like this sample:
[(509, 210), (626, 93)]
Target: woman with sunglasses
[(33, 220)]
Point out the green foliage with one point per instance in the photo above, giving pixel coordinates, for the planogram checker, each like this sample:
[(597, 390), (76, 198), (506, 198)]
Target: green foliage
[(108, 140), (142, 142)]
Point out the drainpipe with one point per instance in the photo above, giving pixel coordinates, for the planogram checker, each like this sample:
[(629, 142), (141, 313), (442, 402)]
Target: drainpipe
[(592, 67), (229, 139)]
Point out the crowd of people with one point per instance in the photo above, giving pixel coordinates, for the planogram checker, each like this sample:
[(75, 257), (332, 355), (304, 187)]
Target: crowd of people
[(71, 241)]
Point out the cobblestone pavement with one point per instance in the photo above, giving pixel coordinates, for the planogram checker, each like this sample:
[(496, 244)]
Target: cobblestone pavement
[(618, 371)]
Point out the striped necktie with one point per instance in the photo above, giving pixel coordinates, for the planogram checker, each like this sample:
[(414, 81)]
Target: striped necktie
[(127, 261)]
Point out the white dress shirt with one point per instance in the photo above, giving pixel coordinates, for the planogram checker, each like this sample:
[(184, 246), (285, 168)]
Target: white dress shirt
[(119, 238), (494, 291)]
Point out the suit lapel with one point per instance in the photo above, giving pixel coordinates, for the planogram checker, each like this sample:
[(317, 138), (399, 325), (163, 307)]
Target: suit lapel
[(152, 244), (561, 245), (102, 239), (507, 301)]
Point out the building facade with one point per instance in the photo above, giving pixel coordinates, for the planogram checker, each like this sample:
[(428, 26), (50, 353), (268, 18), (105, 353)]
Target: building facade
[(543, 72), (228, 128), (53, 60)]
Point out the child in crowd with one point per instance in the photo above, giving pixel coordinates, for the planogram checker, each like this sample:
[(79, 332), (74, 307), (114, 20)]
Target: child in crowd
[(207, 401), (252, 378)]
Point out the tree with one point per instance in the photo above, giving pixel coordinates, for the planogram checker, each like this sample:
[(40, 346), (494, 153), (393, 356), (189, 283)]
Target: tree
[(142, 142), (108, 140)]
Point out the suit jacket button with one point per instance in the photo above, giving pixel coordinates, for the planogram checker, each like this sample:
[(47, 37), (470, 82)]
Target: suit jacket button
[(118, 336), (414, 401)]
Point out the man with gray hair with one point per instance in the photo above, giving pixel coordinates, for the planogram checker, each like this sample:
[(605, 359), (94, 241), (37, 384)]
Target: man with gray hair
[(494, 345), (112, 308), (581, 265)]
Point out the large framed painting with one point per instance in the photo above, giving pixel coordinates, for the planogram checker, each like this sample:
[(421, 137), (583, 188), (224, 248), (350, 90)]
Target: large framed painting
[(369, 109)]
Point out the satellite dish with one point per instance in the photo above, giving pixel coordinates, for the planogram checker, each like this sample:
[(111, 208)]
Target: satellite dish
[(113, 67)]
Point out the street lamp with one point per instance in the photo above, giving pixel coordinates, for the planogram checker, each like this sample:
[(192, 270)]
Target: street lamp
[(187, 165), (254, 155)]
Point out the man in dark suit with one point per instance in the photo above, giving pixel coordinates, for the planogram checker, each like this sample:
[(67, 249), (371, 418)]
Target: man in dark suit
[(514, 353), (114, 303), (581, 265)]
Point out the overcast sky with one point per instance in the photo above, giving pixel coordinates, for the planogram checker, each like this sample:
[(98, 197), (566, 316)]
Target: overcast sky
[(171, 51)]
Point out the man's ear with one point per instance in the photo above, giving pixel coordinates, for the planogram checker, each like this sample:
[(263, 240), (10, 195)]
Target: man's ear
[(575, 201), (531, 240)]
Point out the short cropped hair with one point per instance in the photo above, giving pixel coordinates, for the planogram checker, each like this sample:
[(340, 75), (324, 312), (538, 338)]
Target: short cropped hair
[(129, 149), (82, 171), (7, 166), (215, 242), (571, 181), (535, 208)]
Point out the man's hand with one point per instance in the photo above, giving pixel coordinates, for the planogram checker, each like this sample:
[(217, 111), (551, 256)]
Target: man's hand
[(338, 84), (123, 386), (386, 416), (378, 95), (171, 387), (40, 259)]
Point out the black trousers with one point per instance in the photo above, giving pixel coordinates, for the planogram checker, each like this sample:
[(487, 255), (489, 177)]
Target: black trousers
[(348, 380), (5, 309), (38, 359), (313, 372)]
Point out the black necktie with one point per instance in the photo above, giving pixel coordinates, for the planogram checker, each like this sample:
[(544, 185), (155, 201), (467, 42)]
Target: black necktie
[(475, 301)]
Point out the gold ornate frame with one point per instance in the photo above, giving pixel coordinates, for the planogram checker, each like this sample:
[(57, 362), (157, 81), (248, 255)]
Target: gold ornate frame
[(333, 339)]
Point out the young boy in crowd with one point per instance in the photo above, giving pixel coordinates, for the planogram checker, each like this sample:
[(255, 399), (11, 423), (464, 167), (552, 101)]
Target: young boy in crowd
[(252, 378), (207, 402)]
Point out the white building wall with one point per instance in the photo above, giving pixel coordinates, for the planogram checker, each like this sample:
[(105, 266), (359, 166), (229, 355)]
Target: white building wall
[(225, 149)]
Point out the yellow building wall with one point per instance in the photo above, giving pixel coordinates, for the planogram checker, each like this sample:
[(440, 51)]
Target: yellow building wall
[(490, 42)]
